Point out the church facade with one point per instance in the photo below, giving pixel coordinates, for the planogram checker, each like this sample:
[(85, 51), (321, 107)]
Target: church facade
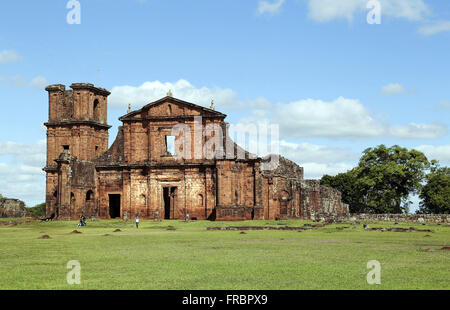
[(171, 158)]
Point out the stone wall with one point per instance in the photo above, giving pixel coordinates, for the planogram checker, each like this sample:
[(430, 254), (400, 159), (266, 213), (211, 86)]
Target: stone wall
[(12, 208), (419, 218)]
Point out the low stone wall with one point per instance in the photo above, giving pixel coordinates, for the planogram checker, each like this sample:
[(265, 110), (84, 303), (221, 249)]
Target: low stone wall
[(238, 213), (419, 218)]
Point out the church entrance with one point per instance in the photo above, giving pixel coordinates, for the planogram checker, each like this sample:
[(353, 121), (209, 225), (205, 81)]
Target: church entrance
[(169, 195), (114, 205)]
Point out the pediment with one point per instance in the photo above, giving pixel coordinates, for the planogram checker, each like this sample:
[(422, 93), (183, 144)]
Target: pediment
[(172, 107)]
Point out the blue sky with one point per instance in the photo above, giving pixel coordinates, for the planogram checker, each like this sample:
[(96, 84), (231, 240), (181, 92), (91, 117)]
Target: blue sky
[(334, 83)]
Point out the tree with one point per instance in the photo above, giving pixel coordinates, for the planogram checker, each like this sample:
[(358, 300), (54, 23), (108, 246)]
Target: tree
[(435, 194), (382, 181), (37, 210), (351, 190)]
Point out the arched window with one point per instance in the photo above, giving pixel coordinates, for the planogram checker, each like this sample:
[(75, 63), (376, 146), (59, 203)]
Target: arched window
[(89, 195), (72, 198), (96, 110), (169, 110)]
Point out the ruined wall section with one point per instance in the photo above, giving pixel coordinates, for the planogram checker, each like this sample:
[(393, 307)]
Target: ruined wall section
[(281, 194), (12, 208)]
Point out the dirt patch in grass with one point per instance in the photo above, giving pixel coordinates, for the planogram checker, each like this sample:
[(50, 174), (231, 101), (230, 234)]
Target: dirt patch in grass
[(106, 235), (262, 228), (445, 248), (45, 237), (14, 223), (398, 229), (76, 232), (117, 230)]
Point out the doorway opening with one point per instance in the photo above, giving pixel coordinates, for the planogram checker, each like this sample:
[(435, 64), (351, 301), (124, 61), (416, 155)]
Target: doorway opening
[(169, 194), (114, 205)]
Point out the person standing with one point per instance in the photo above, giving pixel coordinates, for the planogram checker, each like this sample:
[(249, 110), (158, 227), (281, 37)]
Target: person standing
[(137, 221)]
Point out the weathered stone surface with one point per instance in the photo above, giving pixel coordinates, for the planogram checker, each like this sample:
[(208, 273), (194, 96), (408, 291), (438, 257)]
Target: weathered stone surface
[(138, 176), (12, 208), (396, 218)]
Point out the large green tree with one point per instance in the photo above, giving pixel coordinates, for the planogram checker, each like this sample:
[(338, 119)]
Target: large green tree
[(383, 180), (37, 210), (435, 194)]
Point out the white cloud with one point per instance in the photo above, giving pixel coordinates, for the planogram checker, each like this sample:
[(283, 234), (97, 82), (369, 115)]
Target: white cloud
[(393, 88), (182, 89), (341, 118), (260, 103), (39, 81), (328, 10), (22, 82), (266, 7), (7, 56), (418, 131), (318, 160), (440, 153), (316, 171), (434, 28), (22, 176), (319, 154)]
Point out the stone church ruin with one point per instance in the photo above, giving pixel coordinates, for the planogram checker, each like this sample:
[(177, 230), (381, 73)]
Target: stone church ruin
[(141, 173)]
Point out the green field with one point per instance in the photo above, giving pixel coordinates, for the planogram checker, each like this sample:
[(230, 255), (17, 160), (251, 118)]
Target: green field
[(190, 257)]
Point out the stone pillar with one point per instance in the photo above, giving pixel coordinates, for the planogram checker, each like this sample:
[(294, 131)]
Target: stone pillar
[(64, 185)]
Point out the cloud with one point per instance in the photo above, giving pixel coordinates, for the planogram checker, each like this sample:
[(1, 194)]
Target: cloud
[(316, 171), (182, 89), (318, 160), (266, 7), (39, 81), (418, 131), (328, 10), (312, 153), (434, 28), (21, 174), (22, 82), (33, 154), (7, 56), (341, 118), (440, 152), (393, 88), (444, 104)]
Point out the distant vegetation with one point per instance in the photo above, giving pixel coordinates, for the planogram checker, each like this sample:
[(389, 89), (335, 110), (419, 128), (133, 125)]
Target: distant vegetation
[(386, 177), (435, 194), (37, 210)]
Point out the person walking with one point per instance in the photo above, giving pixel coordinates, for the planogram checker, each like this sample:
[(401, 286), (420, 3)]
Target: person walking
[(137, 221)]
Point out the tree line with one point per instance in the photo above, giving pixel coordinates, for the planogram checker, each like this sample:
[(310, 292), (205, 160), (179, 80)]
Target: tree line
[(386, 177)]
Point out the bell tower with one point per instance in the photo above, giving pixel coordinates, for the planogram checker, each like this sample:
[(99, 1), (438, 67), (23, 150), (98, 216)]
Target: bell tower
[(77, 125)]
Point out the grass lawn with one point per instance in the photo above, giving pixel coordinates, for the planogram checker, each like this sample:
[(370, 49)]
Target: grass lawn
[(190, 257)]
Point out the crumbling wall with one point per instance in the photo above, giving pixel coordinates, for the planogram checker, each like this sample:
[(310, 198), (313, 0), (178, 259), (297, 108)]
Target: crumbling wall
[(418, 218), (12, 208)]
